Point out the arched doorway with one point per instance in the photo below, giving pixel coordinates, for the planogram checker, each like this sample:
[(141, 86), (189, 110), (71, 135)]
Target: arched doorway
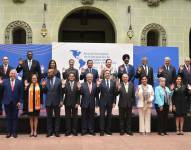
[(153, 38), (86, 25), (19, 36)]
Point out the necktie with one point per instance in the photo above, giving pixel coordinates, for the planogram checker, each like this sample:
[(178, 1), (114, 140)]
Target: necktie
[(107, 83), (90, 70), (12, 85), (30, 64), (145, 66), (127, 68), (90, 87), (188, 67), (51, 83)]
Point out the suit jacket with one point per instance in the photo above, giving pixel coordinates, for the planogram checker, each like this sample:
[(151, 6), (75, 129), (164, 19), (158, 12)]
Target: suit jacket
[(149, 75), (159, 95), (186, 75), (71, 97), (89, 99), (14, 96), (71, 70), (94, 72), (27, 74), (107, 96), (126, 99), (122, 70), (2, 72), (53, 94), (168, 75), (140, 99)]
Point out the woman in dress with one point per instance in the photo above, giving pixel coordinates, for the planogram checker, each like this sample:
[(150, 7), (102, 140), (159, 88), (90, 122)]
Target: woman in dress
[(33, 92), (180, 102), (145, 97), (52, 65)]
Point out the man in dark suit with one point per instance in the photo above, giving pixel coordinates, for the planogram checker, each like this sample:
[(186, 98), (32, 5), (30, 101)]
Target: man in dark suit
[(89, 69), (89, 97), (185, 72), (107, 101), (53, 89), (126, 102), (126, 68), (168, 72), (71, 69), (12, 95), (71, 102), (5, 69), (29, 67), (145, 70)]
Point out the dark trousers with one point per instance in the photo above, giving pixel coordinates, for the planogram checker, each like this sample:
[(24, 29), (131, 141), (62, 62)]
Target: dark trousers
[(71, 114), (49, 111), (11, 111), (125, 115), (105, 122), (162, 118), (1, 106), (88, 119)]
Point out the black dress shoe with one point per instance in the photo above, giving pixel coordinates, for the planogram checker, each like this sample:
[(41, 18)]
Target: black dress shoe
[(84, 133), (101, 133), (92, 133), (57, 134), (161, 134), (130, 133), (14, 135), (108, 133), (67, 134), (75, 133), (49, 135), (165, 133), (8, 135), (122, 133)]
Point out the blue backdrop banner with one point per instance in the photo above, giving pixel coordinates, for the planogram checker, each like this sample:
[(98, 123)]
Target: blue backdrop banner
[(155, 56)]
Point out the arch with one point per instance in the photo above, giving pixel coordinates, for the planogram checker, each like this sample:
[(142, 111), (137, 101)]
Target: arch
[(154, 27), (88, 10), (14, 25)]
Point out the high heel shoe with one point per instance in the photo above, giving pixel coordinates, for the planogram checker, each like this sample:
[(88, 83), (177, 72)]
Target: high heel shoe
[(31, 135), (181, 133)]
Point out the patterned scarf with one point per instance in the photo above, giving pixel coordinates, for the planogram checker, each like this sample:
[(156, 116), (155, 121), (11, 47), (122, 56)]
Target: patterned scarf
[(37, 97)]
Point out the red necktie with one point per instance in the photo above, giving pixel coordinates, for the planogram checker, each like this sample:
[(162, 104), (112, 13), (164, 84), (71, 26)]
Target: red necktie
[(12, 85)]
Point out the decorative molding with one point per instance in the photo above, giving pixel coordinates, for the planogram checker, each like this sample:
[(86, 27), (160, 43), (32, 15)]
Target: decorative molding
[(87, 2), (18, 1), (18, 24), (154, 26)]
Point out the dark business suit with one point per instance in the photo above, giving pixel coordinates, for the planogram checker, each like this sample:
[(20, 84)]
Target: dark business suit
[(53, 99), (145, 72), (88, 101), (10, 100), (130, 71), (106, 101), (92, 71), (126, 102), (169, 75), (71, 70), (27, 74), (186, 78), (71, 98), (4, 75)]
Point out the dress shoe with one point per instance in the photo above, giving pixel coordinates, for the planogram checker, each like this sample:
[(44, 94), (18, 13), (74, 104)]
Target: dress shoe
[(8, 135), (84, 133), (130, 133), (75, 133), (67, 134), (57, 134), (108, 133), (14, 135), (161, 134), (101, 133), (1, 113), (49, 135), (92, 133), (165, 133), (122, 133)]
